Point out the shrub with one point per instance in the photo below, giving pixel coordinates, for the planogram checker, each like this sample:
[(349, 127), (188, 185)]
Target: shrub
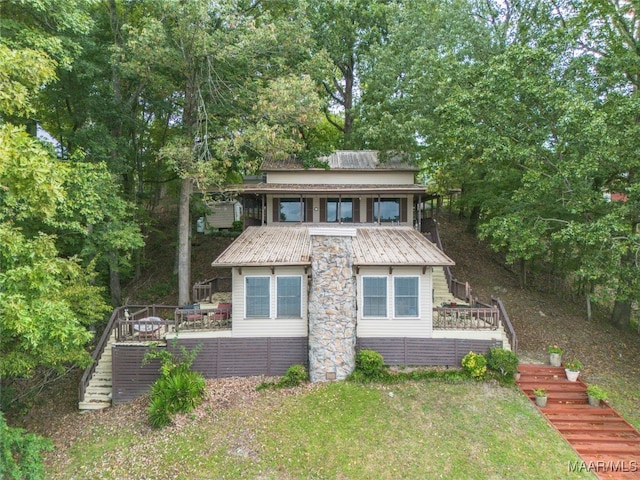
[(370, 364), (178, 390), (475, 365), (20, 453), (294, 376), (503, 361), (237, 225)]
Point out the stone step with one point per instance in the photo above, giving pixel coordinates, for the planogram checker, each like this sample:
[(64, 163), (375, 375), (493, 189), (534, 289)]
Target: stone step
[(93, 405), (97, 391)]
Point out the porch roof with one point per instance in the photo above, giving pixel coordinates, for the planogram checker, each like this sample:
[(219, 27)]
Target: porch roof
[(291, 245), (345, 190), (365, 160)]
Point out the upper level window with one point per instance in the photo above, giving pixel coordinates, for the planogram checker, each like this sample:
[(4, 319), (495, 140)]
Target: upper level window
[(289, 296), (374, 296), (257, 297), (387, 209), (339, 210), (291, 210), (405, 293)]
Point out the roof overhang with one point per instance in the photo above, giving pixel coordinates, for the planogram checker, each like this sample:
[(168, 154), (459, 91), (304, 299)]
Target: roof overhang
[(373, 245), (329, 189)]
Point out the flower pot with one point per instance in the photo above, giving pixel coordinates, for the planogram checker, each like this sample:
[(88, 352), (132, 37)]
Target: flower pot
[(593, 401), (555, 359), (572, 376), (516, 376), (541, 402)]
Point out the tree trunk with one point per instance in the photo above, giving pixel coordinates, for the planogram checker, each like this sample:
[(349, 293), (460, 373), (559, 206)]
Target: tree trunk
[(184, 243), (474, 218), (621, 314), (114, 279)]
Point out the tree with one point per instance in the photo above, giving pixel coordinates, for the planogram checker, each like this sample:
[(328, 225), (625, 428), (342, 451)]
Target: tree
[(345, 31), (48, 298)]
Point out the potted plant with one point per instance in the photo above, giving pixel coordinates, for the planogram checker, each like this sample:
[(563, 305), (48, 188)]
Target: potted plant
[(572, 370), (555, 355), (595, 394), (516, 376), (541, 397)]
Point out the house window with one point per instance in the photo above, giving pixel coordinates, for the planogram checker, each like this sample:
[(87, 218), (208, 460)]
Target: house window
[(387, 209), (257, 295), (374, 296), (291, 210), (405, 296), (339, 210), (289, 297)]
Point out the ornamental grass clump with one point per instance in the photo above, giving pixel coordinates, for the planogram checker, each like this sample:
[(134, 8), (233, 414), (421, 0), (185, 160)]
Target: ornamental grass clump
[(178, 390), (475, 365)]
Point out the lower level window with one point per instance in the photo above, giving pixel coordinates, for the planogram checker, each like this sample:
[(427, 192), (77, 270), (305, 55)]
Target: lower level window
[(405, 296), (257, 296), (289, 297), (374, 296)]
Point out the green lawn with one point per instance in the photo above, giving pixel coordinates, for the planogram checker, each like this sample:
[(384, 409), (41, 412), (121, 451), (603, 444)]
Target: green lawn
[(426, 429)]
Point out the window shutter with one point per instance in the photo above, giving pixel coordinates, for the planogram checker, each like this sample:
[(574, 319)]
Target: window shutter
[(276, 210), (323, 209), (356, 210), (403, 210), (308, 203), (370, 218)]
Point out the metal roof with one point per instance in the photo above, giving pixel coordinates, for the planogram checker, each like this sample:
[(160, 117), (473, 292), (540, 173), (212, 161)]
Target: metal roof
[(291, 245), (343, 160), (333, 189)]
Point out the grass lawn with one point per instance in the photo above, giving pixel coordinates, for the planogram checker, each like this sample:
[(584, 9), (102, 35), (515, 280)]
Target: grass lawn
[(425, 429)]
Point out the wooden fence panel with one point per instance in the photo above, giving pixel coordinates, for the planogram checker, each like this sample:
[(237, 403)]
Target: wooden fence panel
[(219, 357), (425, 351)]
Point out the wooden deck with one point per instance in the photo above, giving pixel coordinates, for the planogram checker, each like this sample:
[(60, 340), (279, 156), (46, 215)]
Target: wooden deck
[(606, 442)]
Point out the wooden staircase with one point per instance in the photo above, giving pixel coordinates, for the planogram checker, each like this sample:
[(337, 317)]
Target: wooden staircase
[(606, 442), (98, 393)]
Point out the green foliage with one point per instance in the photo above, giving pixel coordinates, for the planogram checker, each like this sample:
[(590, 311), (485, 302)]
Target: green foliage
[(475, 365), (237, 225), (293, 377), (503, 361), (555, 349), (369, 366), (540, 392), (597, 391), (178, 390), (574, 365), (21, 453)]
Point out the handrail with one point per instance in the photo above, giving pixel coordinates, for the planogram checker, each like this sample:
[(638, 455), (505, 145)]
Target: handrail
[(447, 270), (511, 333), (466, 318), (104, 340), (204, 289), (97, 353)]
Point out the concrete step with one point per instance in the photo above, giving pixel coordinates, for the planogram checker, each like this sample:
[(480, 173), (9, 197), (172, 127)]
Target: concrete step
[(97, 391), (97, 405)]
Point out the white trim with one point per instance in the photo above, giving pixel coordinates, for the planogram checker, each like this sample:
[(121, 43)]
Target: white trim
[(333, 231)]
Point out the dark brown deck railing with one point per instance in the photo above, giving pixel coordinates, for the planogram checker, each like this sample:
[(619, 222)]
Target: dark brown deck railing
[(466, 318), (203, 319), (509, 330), (203, 290)]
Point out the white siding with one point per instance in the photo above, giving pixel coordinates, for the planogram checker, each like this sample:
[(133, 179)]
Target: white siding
[(267, 327), (336, 177), (397, 327)]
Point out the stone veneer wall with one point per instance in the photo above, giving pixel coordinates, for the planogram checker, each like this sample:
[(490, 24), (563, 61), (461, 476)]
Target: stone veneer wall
[(332, 309)]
